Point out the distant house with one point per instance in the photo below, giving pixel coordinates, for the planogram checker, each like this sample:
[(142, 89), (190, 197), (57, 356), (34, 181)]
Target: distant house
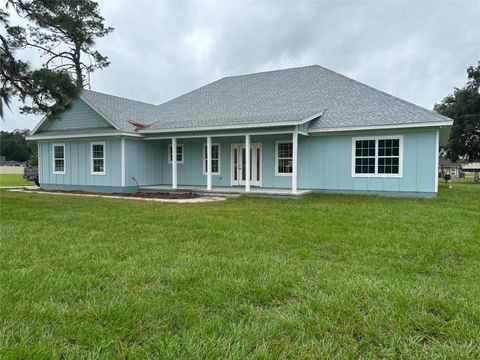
[(471, 167), (11, 163), (446, 166), (281, 132)]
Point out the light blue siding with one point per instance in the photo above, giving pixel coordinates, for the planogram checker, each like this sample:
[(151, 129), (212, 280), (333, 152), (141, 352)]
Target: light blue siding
[(78, 163), (329, 164), (191, 171), (78, 116), (143, 161), (324, 163)]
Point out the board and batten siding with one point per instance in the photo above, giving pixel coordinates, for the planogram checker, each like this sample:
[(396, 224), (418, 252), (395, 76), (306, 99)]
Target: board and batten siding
[(143, 161), (191, 171), (78, 163), (325, 163), (78, 116)]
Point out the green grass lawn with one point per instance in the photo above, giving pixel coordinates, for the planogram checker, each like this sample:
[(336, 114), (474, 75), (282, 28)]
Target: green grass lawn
[(13, 180), (322, 277)]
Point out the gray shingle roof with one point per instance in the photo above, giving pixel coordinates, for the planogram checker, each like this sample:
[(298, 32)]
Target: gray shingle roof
[(268, 98), (446, 162), (119, 111)]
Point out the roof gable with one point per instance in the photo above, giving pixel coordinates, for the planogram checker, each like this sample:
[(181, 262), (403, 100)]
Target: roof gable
[(78, 116), (120, 112)]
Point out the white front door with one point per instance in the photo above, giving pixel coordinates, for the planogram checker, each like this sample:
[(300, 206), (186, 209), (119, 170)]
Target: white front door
[(238, 164)]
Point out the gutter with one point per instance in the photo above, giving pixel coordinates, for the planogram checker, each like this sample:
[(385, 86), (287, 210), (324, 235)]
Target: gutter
[(382, 127), (79, 136)]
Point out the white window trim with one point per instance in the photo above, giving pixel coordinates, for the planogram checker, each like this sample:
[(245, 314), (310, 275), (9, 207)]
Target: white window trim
[(170, 152), (205, 159), (276, 157), (64, 159), (104, 158), (376, 138)]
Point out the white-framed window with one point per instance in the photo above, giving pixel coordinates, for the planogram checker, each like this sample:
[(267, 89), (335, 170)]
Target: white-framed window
[(283, 158), (98, 158), (179, 153), (58, 151), (215, 159), (377, 156)]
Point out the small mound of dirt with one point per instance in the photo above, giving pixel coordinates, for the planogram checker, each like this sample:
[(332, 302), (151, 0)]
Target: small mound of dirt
[(147, 195), (151, 195)]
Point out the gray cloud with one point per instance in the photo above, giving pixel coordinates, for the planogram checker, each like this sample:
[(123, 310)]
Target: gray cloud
[(415, 50)]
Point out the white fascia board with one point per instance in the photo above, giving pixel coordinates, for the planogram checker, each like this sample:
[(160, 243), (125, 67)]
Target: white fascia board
[(41, 122), (383, 127), (66, 137), (231, 127), (310, 118), (226, 134)]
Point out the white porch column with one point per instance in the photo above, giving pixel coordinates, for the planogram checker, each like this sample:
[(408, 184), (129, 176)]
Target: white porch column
[(174, 163), (294, 159), (247, 162), (122, 150), (209, 163)]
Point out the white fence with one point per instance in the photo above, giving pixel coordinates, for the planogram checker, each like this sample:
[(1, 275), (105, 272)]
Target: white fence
[(11, 169)]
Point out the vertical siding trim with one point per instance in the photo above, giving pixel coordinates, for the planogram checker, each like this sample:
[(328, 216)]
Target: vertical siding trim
[(39, 157), (437, 144), (122, 151), (417, 174), (294, 159)]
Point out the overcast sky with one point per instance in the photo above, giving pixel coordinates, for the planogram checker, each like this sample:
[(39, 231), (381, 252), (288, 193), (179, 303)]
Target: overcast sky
[(417, 51)]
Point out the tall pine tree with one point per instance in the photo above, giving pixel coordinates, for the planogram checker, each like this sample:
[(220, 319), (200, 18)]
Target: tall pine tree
[(64, 31)]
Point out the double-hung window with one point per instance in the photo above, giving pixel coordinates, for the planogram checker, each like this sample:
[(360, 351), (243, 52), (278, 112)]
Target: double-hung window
[(98, 158), (377, 156), (59, 159), (284, 158), (215, 159), (179, 154)]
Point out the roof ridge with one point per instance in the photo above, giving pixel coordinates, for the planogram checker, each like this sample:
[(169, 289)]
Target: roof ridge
[(382, 92), (118, 97), (272, 71), (201, 87), (230, 77)]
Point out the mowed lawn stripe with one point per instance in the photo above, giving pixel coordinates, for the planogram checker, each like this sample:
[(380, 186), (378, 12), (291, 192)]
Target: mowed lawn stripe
[(324, 276)]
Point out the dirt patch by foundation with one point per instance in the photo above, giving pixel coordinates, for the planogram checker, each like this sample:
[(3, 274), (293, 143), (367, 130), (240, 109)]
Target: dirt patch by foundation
[(148, 195)]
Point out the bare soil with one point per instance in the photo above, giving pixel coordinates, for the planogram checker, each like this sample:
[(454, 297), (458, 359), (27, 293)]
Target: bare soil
[(145, 195)]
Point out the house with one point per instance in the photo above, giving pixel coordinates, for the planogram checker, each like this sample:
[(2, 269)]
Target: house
[(471, 167), (446, 166), (278, 132), (11, 163)]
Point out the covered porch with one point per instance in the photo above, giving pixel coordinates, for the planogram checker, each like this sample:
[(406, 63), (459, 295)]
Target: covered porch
[(260, 162)]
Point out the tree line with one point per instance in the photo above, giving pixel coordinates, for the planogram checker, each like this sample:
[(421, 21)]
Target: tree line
[(14, 146), (463, 106)]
